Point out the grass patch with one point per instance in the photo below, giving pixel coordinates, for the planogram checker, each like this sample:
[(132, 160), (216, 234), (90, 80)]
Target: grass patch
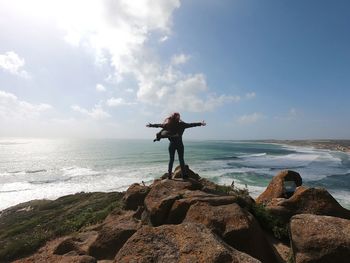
[(24, 231), (269, 222)]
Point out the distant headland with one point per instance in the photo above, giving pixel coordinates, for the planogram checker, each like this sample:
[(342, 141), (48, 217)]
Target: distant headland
[(334, 145)]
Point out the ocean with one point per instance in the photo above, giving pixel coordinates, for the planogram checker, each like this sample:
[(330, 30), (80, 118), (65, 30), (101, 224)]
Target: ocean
[(50, 168)]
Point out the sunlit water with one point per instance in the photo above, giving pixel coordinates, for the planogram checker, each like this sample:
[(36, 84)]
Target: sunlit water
[(48, 168)]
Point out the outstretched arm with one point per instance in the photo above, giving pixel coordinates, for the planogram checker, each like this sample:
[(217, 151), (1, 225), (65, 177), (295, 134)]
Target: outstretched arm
[(194, 124), (156, 125)]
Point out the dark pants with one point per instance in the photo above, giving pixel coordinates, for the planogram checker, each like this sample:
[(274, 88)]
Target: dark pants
[(178, 146)]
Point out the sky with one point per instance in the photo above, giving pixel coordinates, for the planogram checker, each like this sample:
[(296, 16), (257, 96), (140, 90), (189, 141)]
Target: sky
[(252, 69)]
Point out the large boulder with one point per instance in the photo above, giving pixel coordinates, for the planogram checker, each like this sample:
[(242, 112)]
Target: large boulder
[(178, 243), (135, 195), (116, 230), (322, 239), (190, 173), (307, 201), (236, 226), (162, 196), (180, 206), (277, 188)]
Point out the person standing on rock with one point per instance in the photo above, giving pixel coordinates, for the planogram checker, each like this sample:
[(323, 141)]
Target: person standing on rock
[(173, 128)]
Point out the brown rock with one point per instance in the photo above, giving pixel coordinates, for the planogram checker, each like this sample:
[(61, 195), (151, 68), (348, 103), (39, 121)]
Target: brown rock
[(307, 201), (208, 186), (179, 208), (116, 230), (162, 196), (190, 173), (178, 243), (135, 195), (322, 239), (281, 250), (276, 188), (47, 253), (68, 245), (236, 226)]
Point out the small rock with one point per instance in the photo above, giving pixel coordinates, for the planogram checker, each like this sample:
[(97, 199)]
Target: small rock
[(68, 245)]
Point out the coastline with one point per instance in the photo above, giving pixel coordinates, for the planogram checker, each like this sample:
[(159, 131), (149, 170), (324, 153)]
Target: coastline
[(332, 145), (117, 227)]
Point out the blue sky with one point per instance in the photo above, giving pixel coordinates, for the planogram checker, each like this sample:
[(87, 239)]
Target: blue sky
[(252, 69)]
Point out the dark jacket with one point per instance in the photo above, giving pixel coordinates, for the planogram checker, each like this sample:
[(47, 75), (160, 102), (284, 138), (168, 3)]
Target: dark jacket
[(178, 129)]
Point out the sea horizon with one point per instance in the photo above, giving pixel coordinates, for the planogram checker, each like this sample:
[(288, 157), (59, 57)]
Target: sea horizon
[(34, 168)]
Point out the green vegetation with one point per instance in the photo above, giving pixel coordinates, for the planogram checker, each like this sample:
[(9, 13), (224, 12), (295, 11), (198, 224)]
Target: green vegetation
[(269, 222), (229, 190), (25, 227)]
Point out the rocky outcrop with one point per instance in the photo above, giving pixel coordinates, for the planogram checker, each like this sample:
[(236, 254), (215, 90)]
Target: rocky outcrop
[(135, 196), (322, 239), (316, 201), (179, 243), (235, 225), (276, 188), (190, 173), (162, 195), (195, 220)]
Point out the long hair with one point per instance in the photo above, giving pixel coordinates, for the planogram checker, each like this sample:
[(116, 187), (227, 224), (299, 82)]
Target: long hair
[(171, 122)]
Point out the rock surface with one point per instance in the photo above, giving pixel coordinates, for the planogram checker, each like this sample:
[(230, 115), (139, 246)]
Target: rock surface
[(316, 201), (276, 188), (320, 239), (64, 250), (235, 225), (135, 196), (180, 206), (116, 230), (190, 173), (178, 243), (162, 196)]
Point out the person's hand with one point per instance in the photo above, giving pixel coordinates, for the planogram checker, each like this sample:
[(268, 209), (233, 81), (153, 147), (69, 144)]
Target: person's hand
[(203, 123)]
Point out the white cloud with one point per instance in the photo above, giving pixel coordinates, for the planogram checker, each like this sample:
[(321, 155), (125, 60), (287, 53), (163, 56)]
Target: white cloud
[(116, 28), (96, 113), (163, 39), (250, 118), (174, 90), (120, 30), (250, 95), (179, 59), (11, 107), (115, 102), (100, 88), (12, 63)]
